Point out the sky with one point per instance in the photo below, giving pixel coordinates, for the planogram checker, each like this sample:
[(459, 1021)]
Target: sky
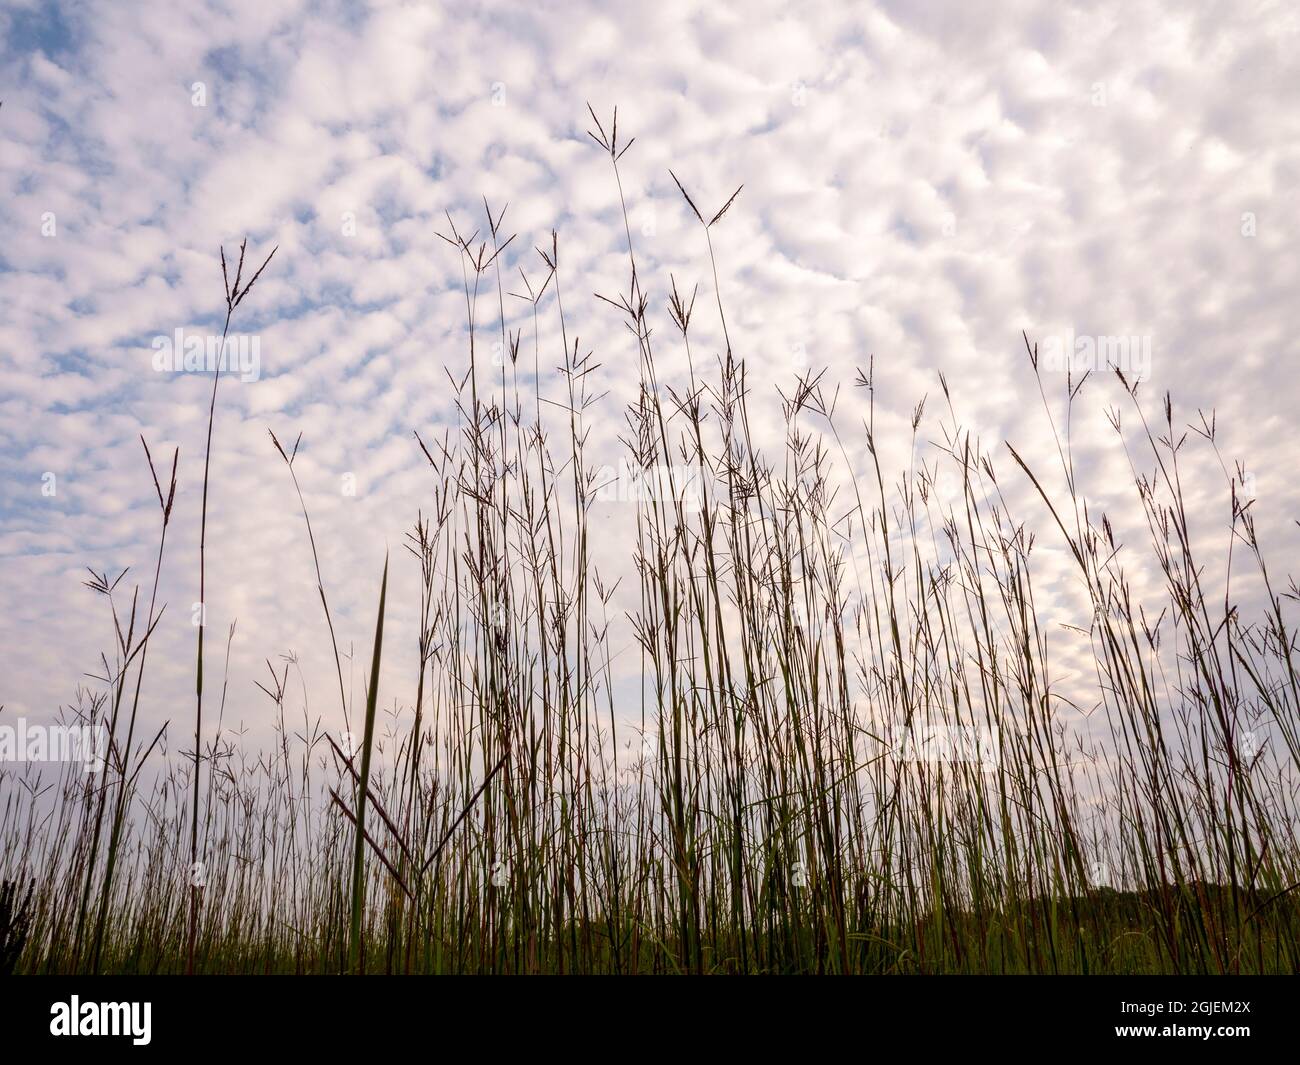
[(921, 183)]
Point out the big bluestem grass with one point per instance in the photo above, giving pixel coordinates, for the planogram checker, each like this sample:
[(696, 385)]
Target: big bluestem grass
[(846, 747)]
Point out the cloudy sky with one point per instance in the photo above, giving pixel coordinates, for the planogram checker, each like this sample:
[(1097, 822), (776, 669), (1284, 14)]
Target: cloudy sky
[(922, 182)]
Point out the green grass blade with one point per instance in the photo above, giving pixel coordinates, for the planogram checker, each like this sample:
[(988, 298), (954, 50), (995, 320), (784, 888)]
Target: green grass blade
[(358, 856)]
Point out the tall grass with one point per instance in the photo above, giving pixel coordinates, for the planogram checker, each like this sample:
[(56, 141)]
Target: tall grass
[(234, 296), (846, 747)]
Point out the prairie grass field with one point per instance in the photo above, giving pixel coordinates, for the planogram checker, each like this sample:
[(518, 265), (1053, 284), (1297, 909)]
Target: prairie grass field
[(836, 740)]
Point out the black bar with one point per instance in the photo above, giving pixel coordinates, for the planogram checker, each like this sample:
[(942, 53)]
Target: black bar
[(1049, 1015)]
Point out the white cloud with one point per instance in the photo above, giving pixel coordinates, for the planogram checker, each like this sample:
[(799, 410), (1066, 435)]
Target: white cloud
[(922, 181)]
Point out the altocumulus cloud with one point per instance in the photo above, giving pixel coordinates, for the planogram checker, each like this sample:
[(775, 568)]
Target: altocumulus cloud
[(922, 182)]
